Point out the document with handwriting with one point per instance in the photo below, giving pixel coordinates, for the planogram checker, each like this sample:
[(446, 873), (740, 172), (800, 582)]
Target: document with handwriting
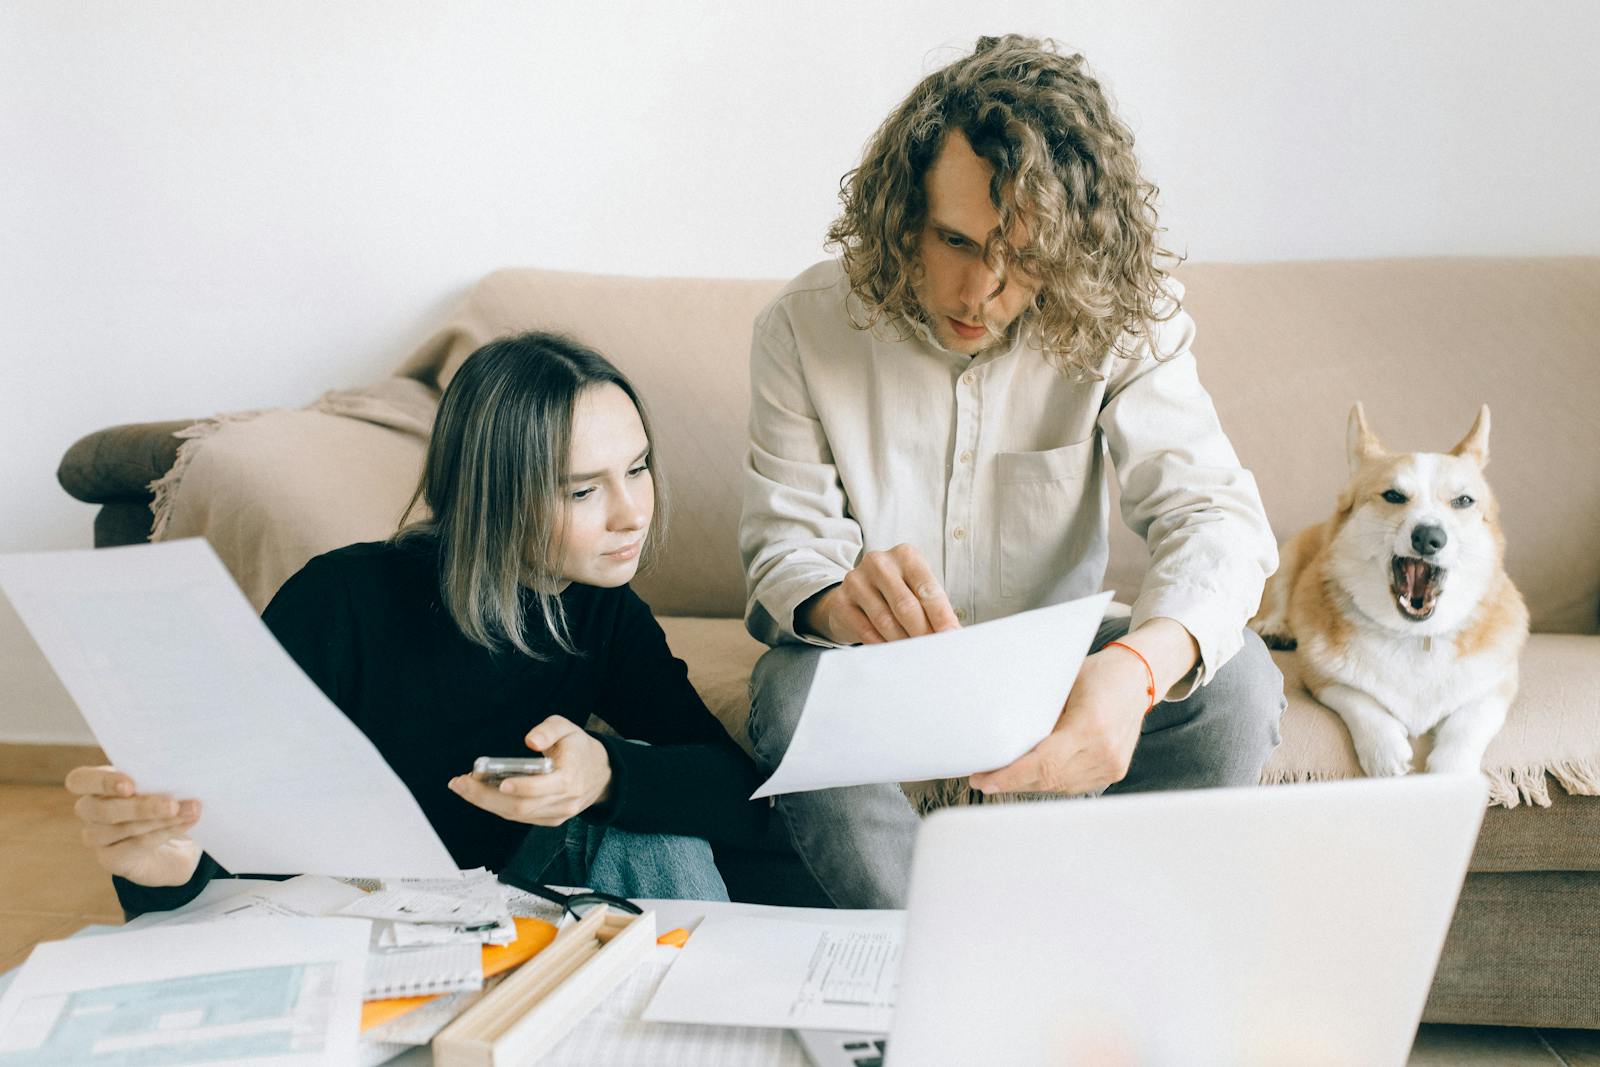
[(941, 706)]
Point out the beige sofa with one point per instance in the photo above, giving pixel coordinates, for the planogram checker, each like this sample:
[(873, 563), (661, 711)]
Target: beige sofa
[(1284, 348)]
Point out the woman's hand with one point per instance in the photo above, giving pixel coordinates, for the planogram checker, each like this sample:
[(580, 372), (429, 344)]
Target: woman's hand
[(581, 779), (137, 836)]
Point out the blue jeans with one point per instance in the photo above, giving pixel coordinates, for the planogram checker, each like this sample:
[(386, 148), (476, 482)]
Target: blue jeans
[(609, 860), (857, 841)]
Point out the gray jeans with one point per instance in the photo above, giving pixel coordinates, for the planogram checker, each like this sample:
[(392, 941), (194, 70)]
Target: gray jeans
[(857, 841)]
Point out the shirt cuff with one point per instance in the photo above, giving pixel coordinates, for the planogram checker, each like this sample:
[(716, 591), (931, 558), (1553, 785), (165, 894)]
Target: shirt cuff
[(1211, 625), (772, 613)]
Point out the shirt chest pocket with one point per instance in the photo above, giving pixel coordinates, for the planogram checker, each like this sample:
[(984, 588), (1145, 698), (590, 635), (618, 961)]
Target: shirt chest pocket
[(1040, 502)]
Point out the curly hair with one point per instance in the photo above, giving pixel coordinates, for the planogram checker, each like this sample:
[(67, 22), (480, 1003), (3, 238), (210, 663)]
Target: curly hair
[(1064, 173)]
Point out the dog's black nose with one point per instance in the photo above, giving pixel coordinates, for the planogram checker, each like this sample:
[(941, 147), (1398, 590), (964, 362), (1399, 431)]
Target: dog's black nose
[(1428, 539)]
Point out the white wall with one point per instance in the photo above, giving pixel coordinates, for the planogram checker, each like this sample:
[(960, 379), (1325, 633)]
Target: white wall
[(217, 205)]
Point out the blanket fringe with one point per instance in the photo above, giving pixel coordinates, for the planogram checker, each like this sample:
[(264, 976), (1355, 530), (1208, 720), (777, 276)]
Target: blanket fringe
[(1579, 777), (930, 796), (1300, 777), (165, 488), (938, 793), (1509, 787)]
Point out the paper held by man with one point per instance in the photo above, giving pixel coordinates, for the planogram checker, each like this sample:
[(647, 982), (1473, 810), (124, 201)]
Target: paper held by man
[(188, 692), (941, 706)]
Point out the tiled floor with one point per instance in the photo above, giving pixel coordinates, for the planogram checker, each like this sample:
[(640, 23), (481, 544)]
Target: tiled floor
[(50, 887)]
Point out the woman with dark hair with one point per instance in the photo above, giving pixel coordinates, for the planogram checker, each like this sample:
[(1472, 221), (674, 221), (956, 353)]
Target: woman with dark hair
[(498, 623)]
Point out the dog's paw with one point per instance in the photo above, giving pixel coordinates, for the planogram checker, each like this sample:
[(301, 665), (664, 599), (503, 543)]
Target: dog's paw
[(1384, 751), (1274, 631)]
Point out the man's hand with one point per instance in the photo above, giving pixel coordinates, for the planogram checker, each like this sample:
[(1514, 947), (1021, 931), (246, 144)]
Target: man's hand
[(890, 595), (581, 779), (138, 836), (1092, 744), (1093, 741)]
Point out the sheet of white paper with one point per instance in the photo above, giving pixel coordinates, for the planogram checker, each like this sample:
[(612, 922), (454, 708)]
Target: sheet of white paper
[(748, 971), (188, 692), (940, 706), (308, 896), (614, 1033), (255, 991), (214, 895)]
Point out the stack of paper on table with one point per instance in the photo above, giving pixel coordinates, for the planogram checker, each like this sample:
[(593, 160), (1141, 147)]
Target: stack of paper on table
[(404, 959), (280, 991), (472, 905), (418, 977)]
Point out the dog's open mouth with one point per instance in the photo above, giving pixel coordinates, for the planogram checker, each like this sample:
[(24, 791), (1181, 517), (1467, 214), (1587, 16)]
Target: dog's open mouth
[(1416, 584)]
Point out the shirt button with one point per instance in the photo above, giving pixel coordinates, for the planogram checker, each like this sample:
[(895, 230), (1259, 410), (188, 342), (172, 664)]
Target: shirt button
[(959, 532), (961, 615), (966, 457), (968, 378)]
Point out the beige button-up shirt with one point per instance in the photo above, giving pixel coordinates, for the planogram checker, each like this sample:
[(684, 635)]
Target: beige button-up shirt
[(994, 467)]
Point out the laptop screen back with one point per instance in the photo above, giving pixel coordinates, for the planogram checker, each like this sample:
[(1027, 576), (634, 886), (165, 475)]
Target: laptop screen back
[(1291, 924)]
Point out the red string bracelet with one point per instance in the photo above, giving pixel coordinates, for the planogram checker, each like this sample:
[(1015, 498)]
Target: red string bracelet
[(1151, 691)]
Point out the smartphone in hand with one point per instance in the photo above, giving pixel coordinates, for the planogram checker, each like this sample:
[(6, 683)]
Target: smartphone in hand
[(492, 770)]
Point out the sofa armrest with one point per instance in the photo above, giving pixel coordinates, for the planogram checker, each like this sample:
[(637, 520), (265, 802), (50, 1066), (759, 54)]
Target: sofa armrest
[(118, 464)]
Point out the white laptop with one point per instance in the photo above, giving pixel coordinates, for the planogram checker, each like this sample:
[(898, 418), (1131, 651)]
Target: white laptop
[(1290, 924)]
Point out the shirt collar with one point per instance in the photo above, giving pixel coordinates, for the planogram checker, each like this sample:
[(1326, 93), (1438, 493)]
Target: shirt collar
[(1021, 331)]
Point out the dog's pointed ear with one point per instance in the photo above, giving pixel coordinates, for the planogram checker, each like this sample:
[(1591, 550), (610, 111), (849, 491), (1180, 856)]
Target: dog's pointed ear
[(1360, 442), (1475, 445)]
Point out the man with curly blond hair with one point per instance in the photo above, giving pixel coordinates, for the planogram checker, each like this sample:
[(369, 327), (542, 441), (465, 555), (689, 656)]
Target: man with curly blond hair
[(931, 416)]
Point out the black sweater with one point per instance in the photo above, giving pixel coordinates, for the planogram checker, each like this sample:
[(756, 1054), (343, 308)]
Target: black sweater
[(366, 624)]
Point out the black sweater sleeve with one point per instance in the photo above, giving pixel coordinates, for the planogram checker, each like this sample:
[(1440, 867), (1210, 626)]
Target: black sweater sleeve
[(137, 899), (689, 778), (309, 616)]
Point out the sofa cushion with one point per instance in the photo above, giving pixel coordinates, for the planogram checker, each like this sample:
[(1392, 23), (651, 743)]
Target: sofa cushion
[(1562, 837), (1523, 950)]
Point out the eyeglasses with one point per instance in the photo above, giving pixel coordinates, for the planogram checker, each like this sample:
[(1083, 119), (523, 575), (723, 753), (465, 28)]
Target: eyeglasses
[(576, 905)]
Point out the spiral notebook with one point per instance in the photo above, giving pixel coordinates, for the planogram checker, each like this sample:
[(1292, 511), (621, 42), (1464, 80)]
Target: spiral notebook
[(451, 967)]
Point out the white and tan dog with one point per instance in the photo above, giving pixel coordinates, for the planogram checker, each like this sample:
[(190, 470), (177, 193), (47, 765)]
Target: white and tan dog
[(1400, 605)]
